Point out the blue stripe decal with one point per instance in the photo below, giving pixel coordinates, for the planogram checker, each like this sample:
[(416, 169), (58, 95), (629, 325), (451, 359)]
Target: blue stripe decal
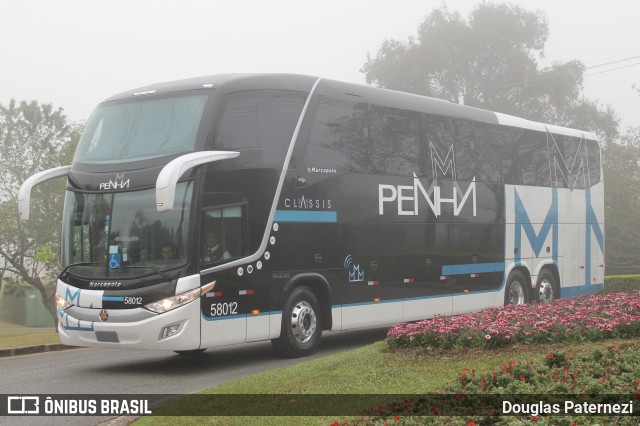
[(581, 290), (305, 216), (472, 268), (112, 299)]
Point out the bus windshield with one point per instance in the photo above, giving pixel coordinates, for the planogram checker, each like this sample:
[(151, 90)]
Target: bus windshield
[(122, 234), (141, 130)]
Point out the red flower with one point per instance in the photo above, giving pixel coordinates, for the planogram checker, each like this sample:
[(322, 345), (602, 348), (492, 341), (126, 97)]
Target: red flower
[(534, 419), (521, 377), (471, 424), (463, 375), (396, 419), (550, 356), (335, 424)]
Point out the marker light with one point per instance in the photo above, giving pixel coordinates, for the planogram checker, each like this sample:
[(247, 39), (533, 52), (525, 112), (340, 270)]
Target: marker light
[(61, 302), (170, 303)]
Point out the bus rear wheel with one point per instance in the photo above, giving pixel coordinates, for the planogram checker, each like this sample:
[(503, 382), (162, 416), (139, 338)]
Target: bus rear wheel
[(516, 292), (547, 287), (301, 324)]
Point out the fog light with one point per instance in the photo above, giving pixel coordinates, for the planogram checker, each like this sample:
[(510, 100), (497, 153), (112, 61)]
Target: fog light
[(170, 330)]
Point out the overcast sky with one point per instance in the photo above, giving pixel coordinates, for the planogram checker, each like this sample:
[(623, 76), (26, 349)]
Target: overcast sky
[(75, 53)]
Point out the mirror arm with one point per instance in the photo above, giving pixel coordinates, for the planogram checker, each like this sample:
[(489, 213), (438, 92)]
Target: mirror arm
[(169, 175), (24, 195)]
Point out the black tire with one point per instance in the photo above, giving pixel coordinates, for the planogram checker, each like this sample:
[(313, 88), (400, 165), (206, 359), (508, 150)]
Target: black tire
[(547, 287), (191, 352), (516, 291), (301, 324)]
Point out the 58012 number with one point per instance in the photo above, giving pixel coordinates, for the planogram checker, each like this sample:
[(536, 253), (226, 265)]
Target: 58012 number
[(133, 300), (222, 309)]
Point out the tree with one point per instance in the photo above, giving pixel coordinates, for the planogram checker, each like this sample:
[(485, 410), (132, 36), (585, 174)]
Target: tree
[(622, 201), (490, 60), (33, 137)]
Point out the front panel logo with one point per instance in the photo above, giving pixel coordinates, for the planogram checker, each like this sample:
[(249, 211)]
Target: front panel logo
[(104, 315), (117, 183)]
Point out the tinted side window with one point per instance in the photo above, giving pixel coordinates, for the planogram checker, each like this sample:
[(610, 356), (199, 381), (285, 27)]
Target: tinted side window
[(533, 157), (438, 146), (262, 119), (395, 141), (593, 152), (494, 147), (466, 135), (339, 136)]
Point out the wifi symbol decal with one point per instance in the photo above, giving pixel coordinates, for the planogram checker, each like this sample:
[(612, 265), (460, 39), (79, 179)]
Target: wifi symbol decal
[(348, 261), (355, 274)]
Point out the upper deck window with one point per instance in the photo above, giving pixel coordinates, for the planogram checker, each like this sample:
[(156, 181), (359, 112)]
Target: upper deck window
[(259, 119), (141, 130)]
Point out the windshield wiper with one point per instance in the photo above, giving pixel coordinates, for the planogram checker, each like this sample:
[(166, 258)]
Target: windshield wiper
[(79, 264), (153, 268)]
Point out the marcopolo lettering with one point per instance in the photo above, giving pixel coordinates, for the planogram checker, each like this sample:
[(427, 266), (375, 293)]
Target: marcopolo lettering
[(407, 198)]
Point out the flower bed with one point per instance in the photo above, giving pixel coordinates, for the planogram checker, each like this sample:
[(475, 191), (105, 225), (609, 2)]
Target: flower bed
[(540, 389), (593, 317)]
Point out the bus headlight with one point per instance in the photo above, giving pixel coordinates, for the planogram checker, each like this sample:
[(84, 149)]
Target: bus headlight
[(178, 300), (61, 302)]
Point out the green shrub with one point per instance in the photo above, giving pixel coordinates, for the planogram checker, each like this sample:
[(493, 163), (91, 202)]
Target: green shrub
[(621, 284)]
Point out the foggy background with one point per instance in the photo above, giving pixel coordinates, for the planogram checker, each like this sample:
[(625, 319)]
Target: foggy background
[(76, 53)]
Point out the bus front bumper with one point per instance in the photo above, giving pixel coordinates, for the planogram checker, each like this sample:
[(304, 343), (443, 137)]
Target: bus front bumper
[(175, 330)]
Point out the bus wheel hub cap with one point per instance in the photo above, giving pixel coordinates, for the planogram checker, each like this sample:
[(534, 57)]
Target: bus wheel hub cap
[(303, 322)]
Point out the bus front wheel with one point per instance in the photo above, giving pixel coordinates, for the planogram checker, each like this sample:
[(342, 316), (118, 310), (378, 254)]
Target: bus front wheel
[(515, 292), (301, 324)]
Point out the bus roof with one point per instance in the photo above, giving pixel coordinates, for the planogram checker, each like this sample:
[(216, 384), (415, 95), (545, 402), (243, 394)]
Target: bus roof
[(228, 83)]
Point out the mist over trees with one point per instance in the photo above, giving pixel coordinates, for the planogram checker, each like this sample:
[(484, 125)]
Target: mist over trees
[(491, 60), (33, 137)]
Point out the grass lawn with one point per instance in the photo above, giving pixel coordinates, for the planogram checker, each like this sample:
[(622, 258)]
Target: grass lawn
[(16, 335), (369, 370)]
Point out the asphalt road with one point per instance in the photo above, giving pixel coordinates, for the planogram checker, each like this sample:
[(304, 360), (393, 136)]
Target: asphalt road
[(112, 371)]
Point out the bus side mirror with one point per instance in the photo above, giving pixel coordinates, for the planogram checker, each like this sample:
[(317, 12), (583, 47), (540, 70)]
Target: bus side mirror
[(169, 175), (24, 195)]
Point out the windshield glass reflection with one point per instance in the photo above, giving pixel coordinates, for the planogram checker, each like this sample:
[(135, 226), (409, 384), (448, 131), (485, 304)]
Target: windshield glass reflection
[(123, 235)]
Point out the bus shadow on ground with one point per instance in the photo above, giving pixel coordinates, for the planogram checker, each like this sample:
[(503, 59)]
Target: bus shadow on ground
[(259, 356)]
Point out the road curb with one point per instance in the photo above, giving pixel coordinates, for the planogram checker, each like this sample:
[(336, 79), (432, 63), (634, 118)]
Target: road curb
[(26, 350)]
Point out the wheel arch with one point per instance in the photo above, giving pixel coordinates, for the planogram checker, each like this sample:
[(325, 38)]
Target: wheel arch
[(523, 267), (555, 271)]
